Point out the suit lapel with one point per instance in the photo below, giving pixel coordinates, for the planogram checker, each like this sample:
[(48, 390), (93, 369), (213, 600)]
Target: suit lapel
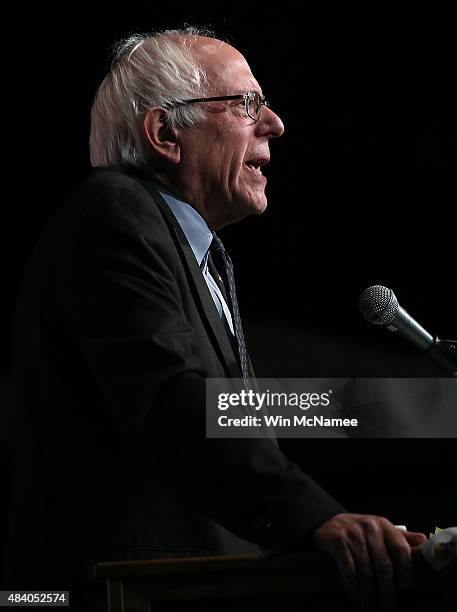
[(198, 288)]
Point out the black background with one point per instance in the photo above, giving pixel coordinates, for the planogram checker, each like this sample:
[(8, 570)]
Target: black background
[(361, 191)]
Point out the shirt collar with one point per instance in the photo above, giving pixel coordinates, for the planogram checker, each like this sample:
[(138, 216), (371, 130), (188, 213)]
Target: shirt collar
[(192, 224)]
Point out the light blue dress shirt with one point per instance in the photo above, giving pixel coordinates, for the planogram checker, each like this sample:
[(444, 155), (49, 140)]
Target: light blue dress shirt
[(199, 237)]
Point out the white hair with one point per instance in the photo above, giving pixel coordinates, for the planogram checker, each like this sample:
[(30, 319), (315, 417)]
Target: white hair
[(148, 70)]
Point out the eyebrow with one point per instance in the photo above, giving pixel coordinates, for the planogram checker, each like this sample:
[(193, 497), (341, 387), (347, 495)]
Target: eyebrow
[(256, 88)]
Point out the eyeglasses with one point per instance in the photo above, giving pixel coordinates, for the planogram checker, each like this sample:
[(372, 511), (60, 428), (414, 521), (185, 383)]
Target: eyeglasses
[(253, 102)]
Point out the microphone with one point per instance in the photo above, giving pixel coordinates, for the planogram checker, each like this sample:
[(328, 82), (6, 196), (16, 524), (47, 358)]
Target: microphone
[(379, 305)]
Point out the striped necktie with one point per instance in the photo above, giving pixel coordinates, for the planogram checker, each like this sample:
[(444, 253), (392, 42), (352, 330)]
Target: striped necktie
[(224, 265)]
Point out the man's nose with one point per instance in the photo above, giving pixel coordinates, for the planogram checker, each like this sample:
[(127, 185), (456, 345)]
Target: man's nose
[(270, 123)]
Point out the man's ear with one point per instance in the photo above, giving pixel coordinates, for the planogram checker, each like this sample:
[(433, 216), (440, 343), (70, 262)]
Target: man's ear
[(161, 136)]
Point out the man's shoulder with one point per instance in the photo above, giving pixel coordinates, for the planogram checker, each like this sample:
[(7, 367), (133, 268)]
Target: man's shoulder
[(114, 178), (111, 185), (126, 199), (110, 206)]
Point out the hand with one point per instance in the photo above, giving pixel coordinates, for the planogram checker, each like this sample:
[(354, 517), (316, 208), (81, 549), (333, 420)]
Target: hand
[(373, 556)]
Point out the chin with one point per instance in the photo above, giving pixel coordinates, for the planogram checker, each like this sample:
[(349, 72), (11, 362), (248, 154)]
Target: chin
[(242, 208), (254, 202), (258, 206), (251, 208)]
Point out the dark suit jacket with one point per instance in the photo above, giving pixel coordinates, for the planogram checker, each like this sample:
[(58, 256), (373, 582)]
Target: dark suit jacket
[(114, 336)]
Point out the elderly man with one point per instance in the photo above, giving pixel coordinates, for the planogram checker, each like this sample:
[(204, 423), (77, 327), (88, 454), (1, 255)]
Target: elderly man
[(123, 315)]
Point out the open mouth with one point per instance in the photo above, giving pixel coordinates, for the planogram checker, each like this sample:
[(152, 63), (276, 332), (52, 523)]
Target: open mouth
[(256, 165)]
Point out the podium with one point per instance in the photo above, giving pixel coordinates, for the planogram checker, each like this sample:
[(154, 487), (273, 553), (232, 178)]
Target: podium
[(308, 582)]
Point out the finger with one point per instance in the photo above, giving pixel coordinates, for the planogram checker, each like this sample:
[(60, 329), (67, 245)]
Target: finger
[(364, 570), (414, 538), (384, 571), (346, 567), (400, 553)]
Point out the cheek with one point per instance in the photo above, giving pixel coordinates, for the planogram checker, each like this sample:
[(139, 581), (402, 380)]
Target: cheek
[(233, 155), (231, 172), (225, 163)]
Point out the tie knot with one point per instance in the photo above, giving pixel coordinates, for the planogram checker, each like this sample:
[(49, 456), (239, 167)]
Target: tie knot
[(216, 244)]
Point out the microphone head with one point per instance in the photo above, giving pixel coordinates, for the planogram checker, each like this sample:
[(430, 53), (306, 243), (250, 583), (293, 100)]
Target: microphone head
[(378, 305)]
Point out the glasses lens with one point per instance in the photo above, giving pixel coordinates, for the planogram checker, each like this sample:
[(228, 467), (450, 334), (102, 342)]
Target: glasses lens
[(254, 105)]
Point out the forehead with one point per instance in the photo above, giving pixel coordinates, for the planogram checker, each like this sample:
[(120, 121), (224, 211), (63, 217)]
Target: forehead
[(228, 71)]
